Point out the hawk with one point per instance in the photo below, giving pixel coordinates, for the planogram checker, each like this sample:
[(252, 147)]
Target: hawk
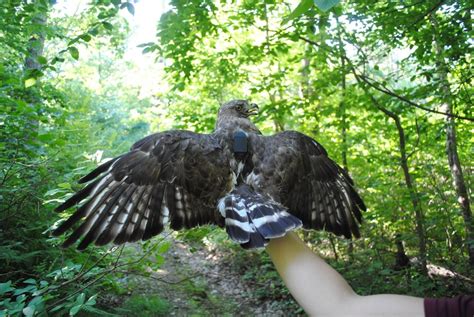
[(257, 187)]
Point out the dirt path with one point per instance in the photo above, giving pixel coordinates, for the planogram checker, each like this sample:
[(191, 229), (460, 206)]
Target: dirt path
[(201, 282)]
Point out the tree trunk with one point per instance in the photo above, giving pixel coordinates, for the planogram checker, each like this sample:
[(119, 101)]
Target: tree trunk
[(36, 42), (401, 260), (35, 49), (343, 118), (459, 183), (414, 197), (415, 200), (333, 246), (32, 65), (306, 90), (451, 146), (305, 81), (342, 108)]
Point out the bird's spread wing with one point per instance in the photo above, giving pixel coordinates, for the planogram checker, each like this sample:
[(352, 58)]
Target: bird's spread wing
[(314, 188), (174, 176)]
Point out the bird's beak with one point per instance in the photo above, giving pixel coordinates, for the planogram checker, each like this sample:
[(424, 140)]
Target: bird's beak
[(252, 110)]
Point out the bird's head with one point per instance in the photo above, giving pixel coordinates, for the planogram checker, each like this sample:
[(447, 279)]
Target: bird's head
[(238, 108)]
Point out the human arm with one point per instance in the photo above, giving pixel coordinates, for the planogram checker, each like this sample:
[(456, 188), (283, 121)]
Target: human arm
[(322, 291)]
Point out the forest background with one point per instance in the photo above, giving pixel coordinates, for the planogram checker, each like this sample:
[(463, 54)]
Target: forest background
[(385, 86)]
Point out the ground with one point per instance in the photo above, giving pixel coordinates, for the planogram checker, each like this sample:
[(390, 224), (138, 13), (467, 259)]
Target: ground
[(198, 280)]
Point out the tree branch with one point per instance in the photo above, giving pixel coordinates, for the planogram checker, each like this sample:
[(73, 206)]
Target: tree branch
[(377, 86), (159, 279), (431, 10), (102, 274)]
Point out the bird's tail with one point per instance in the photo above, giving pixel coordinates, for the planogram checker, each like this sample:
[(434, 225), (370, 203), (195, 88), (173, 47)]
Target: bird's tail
[(252, 219)]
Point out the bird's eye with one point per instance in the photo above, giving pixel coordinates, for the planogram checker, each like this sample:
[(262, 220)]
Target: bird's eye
[(239, 107)]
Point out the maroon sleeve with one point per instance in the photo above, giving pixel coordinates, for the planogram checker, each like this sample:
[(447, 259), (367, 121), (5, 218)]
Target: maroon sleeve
[(460, 306)]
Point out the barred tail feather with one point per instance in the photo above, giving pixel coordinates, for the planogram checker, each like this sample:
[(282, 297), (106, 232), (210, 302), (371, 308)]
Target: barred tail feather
[(252, 219)]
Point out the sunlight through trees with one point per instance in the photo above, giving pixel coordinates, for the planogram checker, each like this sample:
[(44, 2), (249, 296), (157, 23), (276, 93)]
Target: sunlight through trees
[(385, 86)]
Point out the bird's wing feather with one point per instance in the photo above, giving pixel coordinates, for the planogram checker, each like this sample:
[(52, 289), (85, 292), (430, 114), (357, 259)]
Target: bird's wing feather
[(174, 176), (310, 184)]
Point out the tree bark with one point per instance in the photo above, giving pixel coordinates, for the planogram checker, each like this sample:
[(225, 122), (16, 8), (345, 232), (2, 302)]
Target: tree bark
[(343, 117), (35, 49), (414, 197), (333, 246), (36, 42), (401, 260), (342, 103), (32, 65), (306, 90), (305, 81), (410, 183), (451, 145)]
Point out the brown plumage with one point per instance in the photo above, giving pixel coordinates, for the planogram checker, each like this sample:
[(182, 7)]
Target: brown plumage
[(258, 187)]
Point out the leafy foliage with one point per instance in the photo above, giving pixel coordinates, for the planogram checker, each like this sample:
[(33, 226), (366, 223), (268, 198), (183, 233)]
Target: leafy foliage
[(353, 74), (140, 305), (346, 76)]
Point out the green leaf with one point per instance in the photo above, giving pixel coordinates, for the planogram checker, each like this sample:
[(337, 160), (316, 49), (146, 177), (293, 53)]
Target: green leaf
[(27, 289), (93, 31), (73, 41), (53, 192), (30, 82), (146, 44), (56, 308), (6, 287), (86, 37), (42, 60), (28, 311), (130, 8), (37, 302), (148, 49), (325, 5), (30, 281), (81, 298), (91, 301), (57, 60), (159, 260), (45, 137), (74, 310), (20, 299), (108, 26), (64, 185), (164, 246), (74, 52), (302, 8)]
